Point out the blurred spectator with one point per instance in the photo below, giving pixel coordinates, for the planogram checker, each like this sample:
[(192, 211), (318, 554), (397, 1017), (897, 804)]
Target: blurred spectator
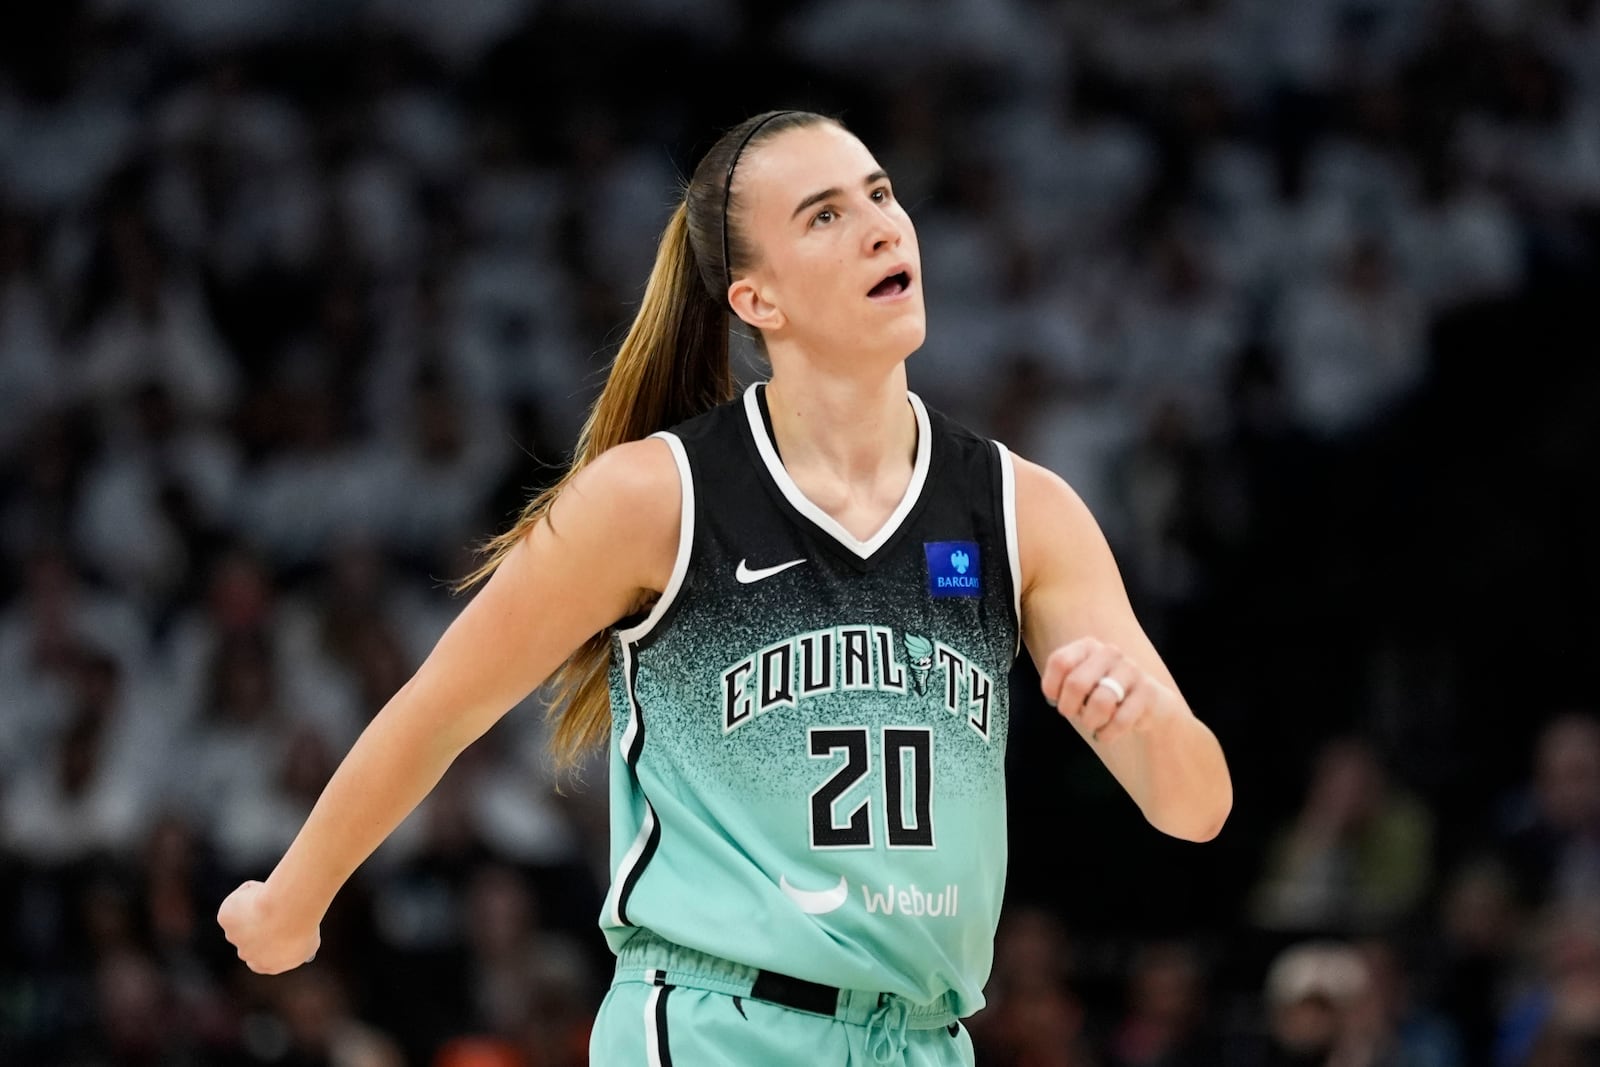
[(30, 368), (1481, 927), (1179, 329), (319, 1027), (135, 1009), (155, 500), (230, 185), (1311, 991), (1168, 1021), (1559, 1009), (319, 482), (359, 629), (1035, 1018), (94, 791), (255, 819), (155, 326), (1550, 836), (1353, 343), (1357, 857), (38, 650), (517, 970), (1161, 475), (242, 605), (181, 879), (1387, 1026), (1459, 243), (437, 482)]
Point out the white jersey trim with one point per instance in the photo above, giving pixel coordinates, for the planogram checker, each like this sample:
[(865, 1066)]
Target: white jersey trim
[(1008, 506), (680, 566), (629, 862), (827, 523)]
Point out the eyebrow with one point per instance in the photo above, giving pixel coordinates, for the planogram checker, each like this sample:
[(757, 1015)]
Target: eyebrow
[(817, 198)]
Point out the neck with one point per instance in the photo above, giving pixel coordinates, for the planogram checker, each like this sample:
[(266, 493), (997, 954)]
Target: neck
[(854, 429)]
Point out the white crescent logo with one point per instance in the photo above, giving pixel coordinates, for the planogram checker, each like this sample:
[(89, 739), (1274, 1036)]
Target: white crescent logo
[(818, 902), (746, 575)]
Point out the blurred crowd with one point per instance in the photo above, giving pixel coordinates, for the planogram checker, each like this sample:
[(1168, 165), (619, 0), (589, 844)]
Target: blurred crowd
[(300, 300)]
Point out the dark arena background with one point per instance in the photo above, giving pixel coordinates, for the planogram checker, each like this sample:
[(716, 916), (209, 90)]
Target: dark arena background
[(300, 299)]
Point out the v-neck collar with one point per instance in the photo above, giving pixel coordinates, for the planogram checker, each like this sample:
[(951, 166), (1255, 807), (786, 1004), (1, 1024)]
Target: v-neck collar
[(754, 406)]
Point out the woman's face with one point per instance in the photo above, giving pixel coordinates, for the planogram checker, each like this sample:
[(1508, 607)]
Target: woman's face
[(826, 228)]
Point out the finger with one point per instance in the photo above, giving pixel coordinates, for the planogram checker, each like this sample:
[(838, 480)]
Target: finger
[(1075, 688), (1061, 663), (234, 901), (1104, 703), (1125, 721), (1130, 716)]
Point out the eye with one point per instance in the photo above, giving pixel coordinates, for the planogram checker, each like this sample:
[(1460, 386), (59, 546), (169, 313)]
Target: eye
[(881, 194), (818, 217)]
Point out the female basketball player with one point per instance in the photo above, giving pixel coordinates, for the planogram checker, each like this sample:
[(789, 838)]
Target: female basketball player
[(792, 614)]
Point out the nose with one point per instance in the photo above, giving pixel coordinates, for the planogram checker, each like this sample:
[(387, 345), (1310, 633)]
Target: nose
[(882, 231)]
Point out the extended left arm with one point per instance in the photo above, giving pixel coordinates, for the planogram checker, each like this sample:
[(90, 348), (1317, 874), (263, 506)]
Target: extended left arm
[(1100, 670)]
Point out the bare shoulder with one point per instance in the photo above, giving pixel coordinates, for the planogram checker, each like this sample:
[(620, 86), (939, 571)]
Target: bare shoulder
[(1044, 499), (1041, 487), (625, 508), (1054, 525), (640, 475)]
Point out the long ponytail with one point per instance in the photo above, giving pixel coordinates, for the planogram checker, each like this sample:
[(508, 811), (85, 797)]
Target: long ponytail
[(672, 365)]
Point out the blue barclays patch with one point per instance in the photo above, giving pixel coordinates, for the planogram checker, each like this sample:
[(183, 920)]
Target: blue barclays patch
[(952, 568)]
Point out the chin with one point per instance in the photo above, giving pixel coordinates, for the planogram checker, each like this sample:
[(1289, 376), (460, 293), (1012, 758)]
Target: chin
[(909, 335), (911, 346), (889, 345)]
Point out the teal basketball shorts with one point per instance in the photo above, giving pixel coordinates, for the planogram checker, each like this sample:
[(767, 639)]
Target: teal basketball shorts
[(670, 1006)]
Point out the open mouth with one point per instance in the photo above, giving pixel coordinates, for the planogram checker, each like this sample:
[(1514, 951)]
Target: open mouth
[(892, 286)]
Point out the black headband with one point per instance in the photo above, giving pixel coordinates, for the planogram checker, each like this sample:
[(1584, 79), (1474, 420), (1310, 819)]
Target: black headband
[(727, 185)]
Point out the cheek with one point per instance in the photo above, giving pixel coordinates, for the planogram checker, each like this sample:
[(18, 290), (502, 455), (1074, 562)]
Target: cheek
[(823, 279)]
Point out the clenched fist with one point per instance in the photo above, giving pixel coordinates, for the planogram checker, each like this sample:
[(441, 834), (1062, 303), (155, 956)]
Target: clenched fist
[(266, 943), (1093, 685)]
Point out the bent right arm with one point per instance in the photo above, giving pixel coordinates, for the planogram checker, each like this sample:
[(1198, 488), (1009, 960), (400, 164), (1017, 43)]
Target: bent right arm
[(606, 545)]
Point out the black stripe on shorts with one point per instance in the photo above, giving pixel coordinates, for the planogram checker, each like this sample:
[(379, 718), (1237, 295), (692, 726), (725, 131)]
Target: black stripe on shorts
[(661, 1020)]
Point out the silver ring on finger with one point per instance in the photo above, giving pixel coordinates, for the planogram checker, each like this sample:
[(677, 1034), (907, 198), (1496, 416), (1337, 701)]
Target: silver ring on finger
[(1118, 693)]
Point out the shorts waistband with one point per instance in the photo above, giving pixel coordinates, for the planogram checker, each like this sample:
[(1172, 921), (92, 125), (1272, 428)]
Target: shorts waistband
[(650, 958)]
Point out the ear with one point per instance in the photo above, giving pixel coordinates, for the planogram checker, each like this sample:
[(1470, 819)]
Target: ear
[(750, 302)]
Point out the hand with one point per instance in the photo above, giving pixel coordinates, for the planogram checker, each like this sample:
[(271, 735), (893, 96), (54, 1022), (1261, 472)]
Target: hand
[(251, 925), (1071, 683)]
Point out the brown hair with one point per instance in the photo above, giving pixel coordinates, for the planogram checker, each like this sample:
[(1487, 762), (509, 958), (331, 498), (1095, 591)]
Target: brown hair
[(671, 366)]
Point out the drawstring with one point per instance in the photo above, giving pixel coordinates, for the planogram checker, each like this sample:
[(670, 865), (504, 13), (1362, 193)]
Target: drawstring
[(886, 1029)]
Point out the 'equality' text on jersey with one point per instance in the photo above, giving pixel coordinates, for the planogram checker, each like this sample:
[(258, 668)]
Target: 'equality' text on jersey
[(846, 658)]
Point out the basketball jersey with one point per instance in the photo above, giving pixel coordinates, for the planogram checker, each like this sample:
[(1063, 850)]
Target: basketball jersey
[(808, 730)]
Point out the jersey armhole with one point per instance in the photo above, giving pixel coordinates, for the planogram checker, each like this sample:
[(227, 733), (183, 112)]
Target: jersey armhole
[(680, 566), (1008, 511)]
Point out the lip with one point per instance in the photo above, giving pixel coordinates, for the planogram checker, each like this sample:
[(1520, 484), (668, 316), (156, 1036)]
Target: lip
[(904, 294)]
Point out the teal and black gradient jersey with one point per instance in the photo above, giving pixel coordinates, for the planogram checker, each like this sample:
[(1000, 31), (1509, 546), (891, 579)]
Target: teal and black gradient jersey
[(808, 742)]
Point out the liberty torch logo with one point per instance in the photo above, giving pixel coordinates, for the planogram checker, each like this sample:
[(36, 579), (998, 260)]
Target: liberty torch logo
[(919, 650)]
